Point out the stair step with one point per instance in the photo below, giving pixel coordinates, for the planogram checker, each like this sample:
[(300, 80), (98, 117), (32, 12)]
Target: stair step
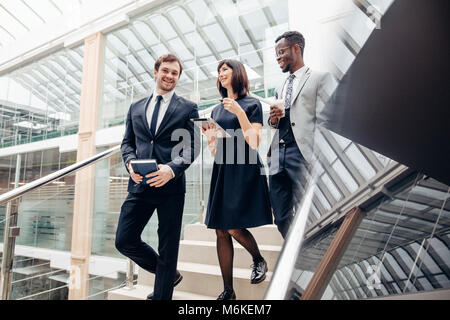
[(265, 235), (140, 292), (205, 279), (205, 252)]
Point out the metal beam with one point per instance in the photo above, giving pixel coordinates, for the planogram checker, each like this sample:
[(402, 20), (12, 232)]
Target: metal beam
[(354, 284), (423, 200), (219, 20), (419, 262), (186, 43), (444, 265), (165, 42), (343, 157), (136, 74), (408, 212), (370, 157), (398, 258), (343, 283), (202, 34), (25, 83)]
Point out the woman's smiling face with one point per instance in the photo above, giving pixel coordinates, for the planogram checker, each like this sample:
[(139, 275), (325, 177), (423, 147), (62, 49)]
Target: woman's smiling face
[(225, 75)]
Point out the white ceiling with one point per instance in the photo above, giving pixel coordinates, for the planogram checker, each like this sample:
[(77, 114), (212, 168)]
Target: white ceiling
[(18, 17)]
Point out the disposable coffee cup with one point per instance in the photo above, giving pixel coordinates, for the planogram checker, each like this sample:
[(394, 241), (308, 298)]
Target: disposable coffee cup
[(270, 101), (280, 104)]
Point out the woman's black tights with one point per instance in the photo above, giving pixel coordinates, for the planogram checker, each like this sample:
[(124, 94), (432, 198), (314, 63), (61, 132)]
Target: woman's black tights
[(225, 251)]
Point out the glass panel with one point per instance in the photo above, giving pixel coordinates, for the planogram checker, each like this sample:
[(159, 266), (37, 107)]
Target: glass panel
[(395, 251), (42, 100), (201, 33), (41, 269)]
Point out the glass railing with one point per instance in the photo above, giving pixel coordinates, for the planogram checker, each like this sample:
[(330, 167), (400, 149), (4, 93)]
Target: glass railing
[(46, 214), (396, 244), (401, 246), (42, 268), (41, 252)]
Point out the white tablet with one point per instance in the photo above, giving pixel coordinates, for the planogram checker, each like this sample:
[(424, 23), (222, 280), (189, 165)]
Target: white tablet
[(201, 123)]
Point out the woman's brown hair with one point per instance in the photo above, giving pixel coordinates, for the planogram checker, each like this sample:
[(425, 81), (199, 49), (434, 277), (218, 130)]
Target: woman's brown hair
[(239, 79)]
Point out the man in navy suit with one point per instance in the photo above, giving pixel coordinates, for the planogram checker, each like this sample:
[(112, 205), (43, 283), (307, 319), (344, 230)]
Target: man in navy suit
[(153, 127)]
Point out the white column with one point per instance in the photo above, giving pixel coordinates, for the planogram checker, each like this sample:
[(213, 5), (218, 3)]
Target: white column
[(84, 181)]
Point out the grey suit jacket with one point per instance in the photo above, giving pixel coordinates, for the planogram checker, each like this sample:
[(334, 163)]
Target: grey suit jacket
[(307, 108)]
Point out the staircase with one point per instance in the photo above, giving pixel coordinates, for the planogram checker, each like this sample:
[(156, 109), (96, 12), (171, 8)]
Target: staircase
[(198, 263)]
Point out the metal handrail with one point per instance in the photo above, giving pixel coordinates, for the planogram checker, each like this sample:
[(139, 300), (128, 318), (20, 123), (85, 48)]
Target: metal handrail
[(11, 198), (20, 191)]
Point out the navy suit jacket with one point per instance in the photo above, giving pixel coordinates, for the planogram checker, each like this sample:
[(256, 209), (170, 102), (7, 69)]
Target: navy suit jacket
[(139, 143)]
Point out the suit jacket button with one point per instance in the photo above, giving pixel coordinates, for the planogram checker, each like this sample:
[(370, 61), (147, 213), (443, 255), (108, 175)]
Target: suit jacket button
[(293, 124), (151, 142)]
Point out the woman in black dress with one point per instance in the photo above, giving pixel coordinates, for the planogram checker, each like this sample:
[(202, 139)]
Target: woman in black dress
[(239, 196)]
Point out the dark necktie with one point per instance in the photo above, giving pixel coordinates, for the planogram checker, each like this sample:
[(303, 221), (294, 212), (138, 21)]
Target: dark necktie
[(289, 90), (155, 115)]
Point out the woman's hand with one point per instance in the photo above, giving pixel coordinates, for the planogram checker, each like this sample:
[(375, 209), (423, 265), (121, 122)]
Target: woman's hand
[(232, 106), (211, 134)]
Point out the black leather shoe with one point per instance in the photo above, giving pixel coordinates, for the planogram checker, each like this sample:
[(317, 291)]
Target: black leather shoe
[(178, 278), (258, 272), (227, 294)]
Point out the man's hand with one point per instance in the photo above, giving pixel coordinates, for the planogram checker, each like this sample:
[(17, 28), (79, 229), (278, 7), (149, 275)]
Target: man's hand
[(276, 112), (160, 177), (137, 178)]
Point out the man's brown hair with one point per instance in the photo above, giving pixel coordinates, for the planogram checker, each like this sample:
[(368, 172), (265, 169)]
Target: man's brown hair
[(168, 58)]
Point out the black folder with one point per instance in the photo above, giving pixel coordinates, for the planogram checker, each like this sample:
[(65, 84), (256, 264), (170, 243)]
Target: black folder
[(144, 167)]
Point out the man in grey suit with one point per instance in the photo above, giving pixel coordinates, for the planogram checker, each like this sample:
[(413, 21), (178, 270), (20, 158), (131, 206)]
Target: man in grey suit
[(305, 93)]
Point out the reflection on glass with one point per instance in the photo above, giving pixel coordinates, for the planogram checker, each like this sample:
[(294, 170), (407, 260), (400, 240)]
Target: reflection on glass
[(42, 100), (201, 33), (398, 248)]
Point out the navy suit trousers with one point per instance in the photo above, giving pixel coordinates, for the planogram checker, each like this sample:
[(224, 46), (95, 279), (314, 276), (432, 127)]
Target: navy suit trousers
[(285, 187), (135, 213)]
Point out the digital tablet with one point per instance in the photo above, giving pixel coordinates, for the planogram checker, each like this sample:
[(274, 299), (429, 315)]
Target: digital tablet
[(201, 123)]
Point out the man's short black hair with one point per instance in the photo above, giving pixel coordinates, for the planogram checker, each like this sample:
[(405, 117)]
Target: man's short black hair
[(293, 38)]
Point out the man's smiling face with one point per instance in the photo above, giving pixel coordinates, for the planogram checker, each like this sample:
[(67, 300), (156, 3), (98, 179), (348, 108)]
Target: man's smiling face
[(167, 76), (284, 54)]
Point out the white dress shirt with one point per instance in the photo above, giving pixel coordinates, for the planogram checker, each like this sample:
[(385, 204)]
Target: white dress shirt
[(162, 110), (166, 98), (298, 76)]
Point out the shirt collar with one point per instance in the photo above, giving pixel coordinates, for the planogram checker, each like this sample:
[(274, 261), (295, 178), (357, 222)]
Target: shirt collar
[(299, 72), (166, 97)]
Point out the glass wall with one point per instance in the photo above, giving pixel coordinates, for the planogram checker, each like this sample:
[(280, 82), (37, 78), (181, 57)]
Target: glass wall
[(45, 215), (401, 246), (111, 181), (201, 33), (41, 100)]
